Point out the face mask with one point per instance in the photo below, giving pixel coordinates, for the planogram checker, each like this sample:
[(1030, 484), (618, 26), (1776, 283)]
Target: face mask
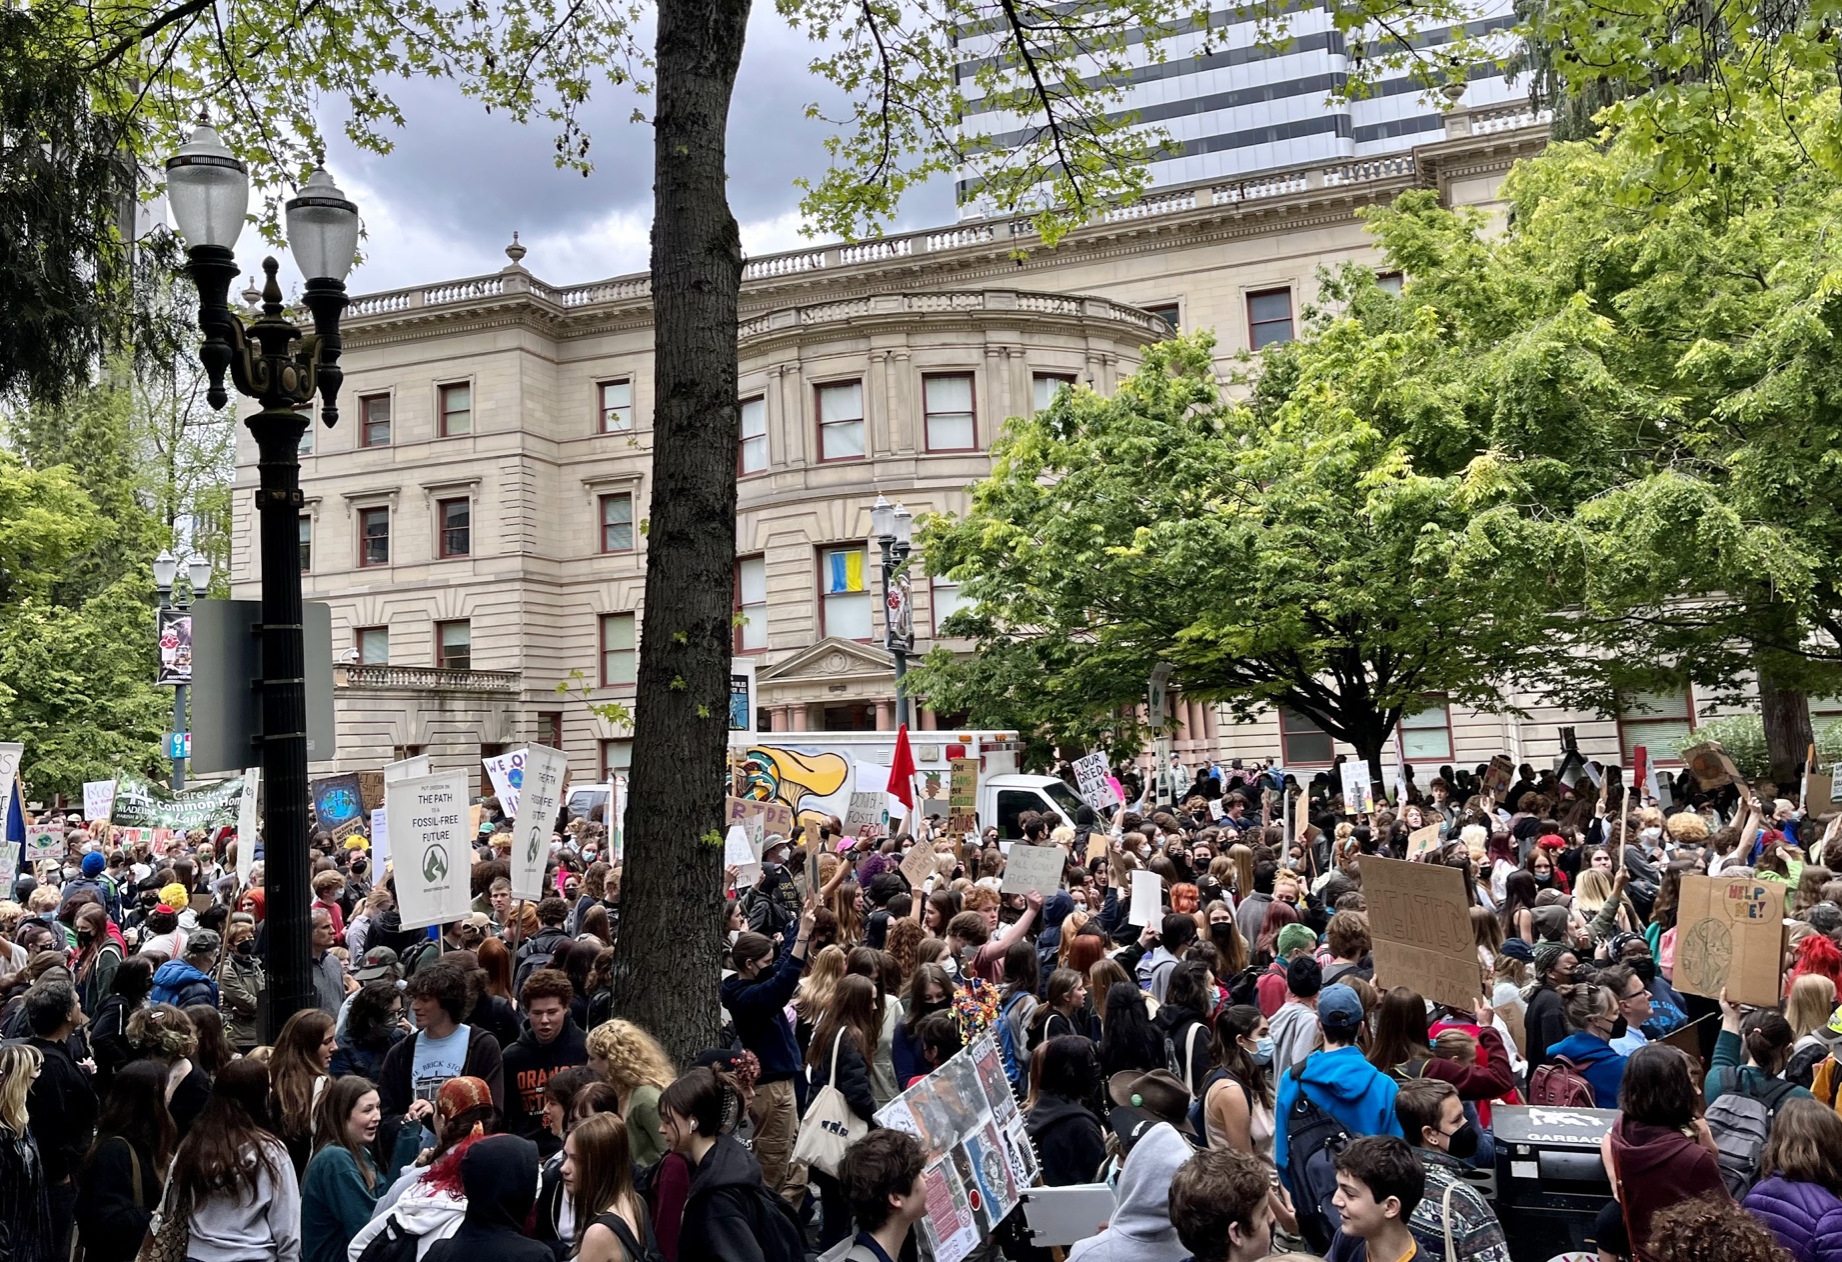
[(246, 946), (1645, 968), (71, 874), (1462, 1143), (86, 935), (1263, 1050)]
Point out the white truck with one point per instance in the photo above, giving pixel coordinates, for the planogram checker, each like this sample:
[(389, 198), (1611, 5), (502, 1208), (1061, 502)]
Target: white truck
[(815, 773)]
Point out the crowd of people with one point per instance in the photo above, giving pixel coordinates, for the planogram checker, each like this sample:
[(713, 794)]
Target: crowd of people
[(1234, 1070)]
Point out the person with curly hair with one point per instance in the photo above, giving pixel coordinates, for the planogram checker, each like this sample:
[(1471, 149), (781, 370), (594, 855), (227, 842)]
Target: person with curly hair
[(551, 1043), (638, 1068), (1711, 1227), (165, 1035)]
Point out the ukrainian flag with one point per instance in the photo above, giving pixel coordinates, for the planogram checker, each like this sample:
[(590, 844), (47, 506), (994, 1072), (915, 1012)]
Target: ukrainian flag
[(846, 571)]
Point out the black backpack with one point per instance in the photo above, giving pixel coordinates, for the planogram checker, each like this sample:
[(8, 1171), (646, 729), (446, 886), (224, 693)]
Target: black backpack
[(393, 1244), (1313, 1140), (776, 1229), (631, 1247), (1244, 986)]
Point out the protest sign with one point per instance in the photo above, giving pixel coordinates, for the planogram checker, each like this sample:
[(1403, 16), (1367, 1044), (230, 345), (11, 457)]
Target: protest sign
[(539, 770), (776, 818), (1147, 898), (407, 769), (247, 826), (371, 791), (1497, 778), (963, 795), (738, 853), (506, 771), (1034, 870), (98, 799), (141, 804), (433, 880), (44, 841), (1096, 846), (1420, 921), (380, 840), (1421, 840), (1729, 932), (338, 805), (867, 810), (1817, 789), (1092, 776), (1358, 794), (1711, 766), (919, 865)]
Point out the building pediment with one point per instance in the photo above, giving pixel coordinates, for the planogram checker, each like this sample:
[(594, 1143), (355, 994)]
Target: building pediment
[(830, 659)]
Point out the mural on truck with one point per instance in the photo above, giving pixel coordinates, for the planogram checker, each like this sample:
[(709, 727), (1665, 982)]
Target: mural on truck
[(810, 782)]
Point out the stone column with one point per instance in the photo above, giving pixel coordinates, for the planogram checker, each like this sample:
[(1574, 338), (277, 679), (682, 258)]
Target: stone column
[(797, 714), (885, 716), (778, 719)]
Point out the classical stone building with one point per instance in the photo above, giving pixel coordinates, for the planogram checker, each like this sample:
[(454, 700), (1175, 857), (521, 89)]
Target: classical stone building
[(478, 518)]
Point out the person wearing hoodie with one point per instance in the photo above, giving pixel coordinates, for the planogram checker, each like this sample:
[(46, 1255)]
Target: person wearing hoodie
[(1591, 1012), (729, 1214), (1057, 908), (1294, 1028), (187, 981), (94, 878), (1183, 1021), (1659, 1152), (1154, 968), (551, 1043), (441, 1048), (553, 932), (1062, 1124), (1140, 1229), (756, 997), (1800, 1198), (429, 1199), (497, 1177), (1338, 1079)]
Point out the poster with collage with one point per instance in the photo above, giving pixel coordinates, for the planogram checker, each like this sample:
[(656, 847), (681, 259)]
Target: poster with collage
[(979, 1158)]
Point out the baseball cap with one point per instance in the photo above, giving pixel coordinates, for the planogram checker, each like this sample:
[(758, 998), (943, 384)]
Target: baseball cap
[(378, 964), (1339, 1009), (1517, 949), (202, 942), (477, 922)]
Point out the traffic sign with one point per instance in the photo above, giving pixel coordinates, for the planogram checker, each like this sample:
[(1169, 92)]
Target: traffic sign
[(178, 744)]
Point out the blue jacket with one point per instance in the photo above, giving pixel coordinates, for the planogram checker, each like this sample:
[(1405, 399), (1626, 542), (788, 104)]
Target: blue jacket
[(1344, 1085), (1599, 1065), (181, 985), (758, 1009), (1806, 1217)]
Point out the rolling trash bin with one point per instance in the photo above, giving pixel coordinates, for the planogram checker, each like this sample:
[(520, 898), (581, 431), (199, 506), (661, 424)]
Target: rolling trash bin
[(1551, 1183)]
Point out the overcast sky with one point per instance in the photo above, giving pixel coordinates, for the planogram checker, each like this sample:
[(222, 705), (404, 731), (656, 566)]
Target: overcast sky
[(445, 202)]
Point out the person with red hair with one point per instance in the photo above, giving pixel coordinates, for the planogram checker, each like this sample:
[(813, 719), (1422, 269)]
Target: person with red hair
[(255, 902)]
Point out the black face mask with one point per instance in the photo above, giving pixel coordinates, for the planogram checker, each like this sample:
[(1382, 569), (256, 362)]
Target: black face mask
[(246, 947), (1462, 1143), (1645, 968)]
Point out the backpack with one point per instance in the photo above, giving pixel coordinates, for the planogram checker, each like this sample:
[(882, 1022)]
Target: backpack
[(776, 1229), (629, 1246), (1181, 1061), (1198, 1122), (1313, 1140), (1740, 1120), (1561, 1085), (1016, 1064), (1244, 986), (394, 1243)]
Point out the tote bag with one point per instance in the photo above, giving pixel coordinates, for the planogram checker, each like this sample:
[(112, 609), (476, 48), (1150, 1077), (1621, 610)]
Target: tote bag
[(830, 1125)]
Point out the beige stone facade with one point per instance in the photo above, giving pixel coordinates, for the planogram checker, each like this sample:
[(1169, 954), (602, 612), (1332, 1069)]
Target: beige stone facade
[(477, 519)]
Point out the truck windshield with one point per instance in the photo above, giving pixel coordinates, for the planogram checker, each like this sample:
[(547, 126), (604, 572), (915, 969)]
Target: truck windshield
[(1063, 796)]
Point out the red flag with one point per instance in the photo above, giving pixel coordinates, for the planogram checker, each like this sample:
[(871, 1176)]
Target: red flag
[(902, 771)]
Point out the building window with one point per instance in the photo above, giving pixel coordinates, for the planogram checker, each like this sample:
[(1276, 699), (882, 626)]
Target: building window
[(617, 523), (946, 601), (620, 655), (1304, 741), (1662, 722), (753, 456), (550, 728), (841, 421), (374, 536), (616, 760), (456, 527), (844, 604), (949, 418), (1269, 317), (616, 406), (751, 604), (1167, 312), (1043, 388), (456, 410), (374, 421), (1426, 735), (306, 543), (400, 752), (454, 645), (374, 646), (1390, 282), (306, 447)]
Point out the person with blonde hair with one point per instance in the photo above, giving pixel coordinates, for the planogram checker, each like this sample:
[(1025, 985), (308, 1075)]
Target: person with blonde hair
[(816, 989), (632, 1061), (25, 1204), (610, 1222)]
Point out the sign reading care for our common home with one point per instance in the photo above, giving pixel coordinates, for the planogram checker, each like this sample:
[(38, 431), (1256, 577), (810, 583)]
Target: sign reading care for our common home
[(432, 857)]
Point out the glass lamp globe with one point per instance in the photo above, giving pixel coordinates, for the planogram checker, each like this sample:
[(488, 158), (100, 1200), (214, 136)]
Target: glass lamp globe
[(207, 190), (322, 228)]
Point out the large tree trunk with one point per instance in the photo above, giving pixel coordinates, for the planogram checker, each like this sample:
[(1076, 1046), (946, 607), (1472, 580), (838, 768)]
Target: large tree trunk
[(1786, 712), (667, 962)]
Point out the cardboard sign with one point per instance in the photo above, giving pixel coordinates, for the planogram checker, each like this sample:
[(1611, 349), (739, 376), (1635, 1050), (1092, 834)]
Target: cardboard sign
[(1497, 778), (371, 790), (1096, 846), (338, 805), (539, 785), (868, 810), (98, 799), (1358, 795), (776, 817), (1147, 898), (919, 865), (963, 796), (1034, 870), (1092, 777), (1818, 789), (1729, 932), (1420, 921), (433, 879), (1711, 766), (1422, 840)]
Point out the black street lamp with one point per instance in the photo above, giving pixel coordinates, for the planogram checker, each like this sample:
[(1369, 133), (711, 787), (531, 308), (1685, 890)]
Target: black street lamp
[(894, 527), (273, 362)]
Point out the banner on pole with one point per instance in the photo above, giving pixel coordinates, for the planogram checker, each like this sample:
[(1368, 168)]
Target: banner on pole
[(434, 876), (540, 794)]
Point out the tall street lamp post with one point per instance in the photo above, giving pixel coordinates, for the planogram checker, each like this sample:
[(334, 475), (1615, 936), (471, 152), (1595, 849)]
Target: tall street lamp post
[(282, 367), (894, 527), (166, 573)]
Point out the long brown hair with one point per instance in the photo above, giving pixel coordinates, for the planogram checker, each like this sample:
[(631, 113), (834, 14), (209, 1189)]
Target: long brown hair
[(332, 1113), (227, 1151), (854, 1010), (496, 961), (294, 1066), (604, 1172)]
